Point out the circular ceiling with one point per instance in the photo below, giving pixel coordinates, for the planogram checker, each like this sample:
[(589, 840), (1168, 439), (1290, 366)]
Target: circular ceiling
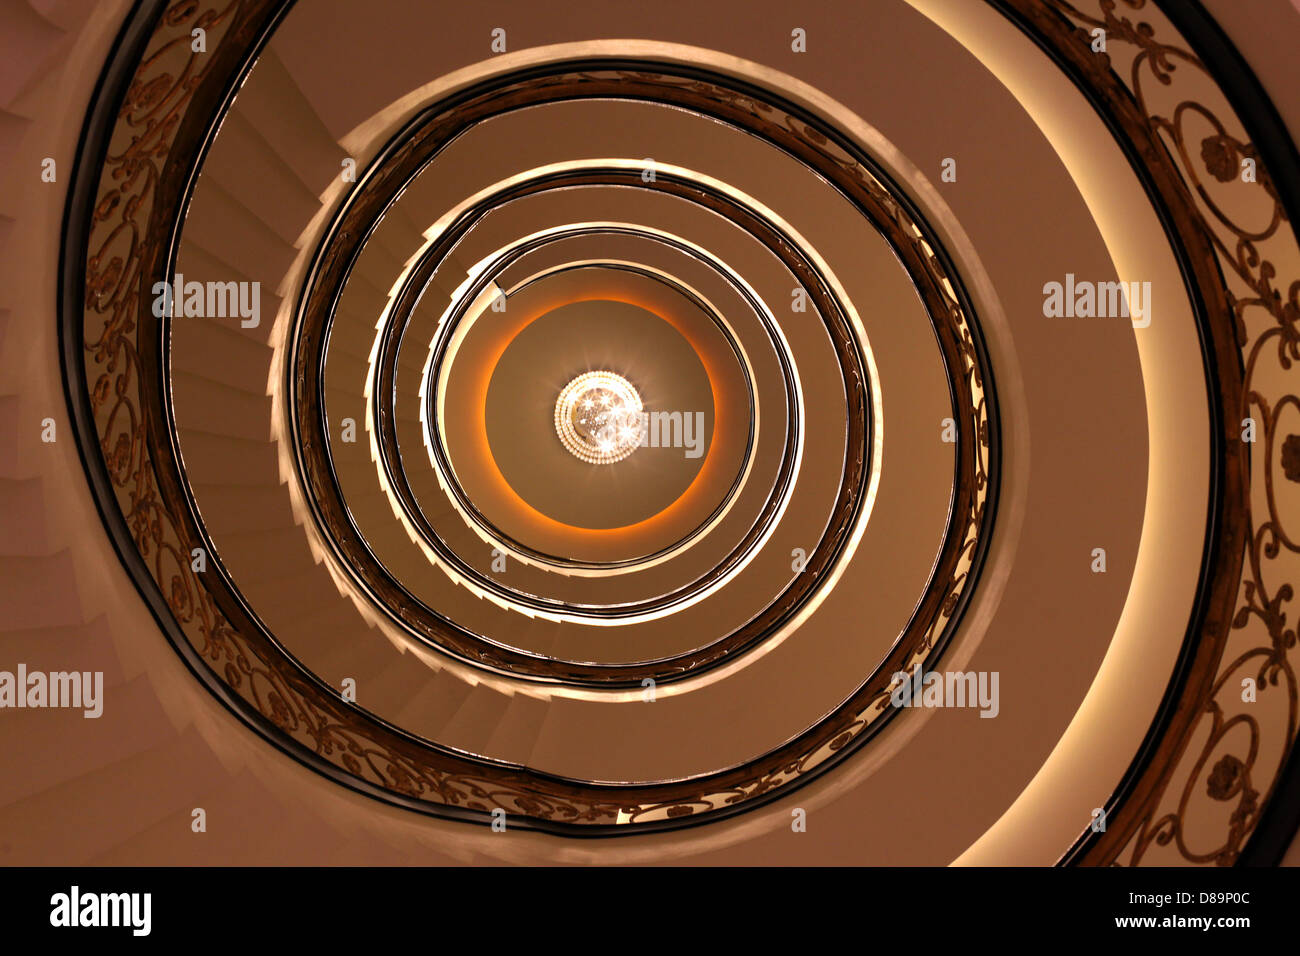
[(597, 415)]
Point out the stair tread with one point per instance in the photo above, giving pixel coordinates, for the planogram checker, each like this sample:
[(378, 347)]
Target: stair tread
[(47, 747), (430, 708), (51, 826), (39, 591), (264, 554), (220, 223), (397, 234), (364, 296), (477, 718), (204, 404), (246, 361), (194, 260), (519, 728), (243, 163), (394, 688), (244, 821), (30, 44), (23, 527), (275, 106), (89, 646), (233, 508), (212, 458)]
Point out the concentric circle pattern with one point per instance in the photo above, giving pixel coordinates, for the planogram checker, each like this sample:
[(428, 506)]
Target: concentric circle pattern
[(653, 418)]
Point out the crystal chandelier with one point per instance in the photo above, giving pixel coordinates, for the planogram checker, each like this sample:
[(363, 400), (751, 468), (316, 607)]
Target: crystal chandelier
[(598, 417)]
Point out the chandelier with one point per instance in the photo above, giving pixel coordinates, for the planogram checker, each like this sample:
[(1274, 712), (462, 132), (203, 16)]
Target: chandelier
[(598, 417)]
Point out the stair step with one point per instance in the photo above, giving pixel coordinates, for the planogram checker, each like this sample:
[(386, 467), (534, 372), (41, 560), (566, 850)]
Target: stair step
[(380, 267), (476, 720), (539, 634), (389, 540), (366, 297), (53, 828), (44, 748), (12, 441), (66, 15), (326, 87), (266, 554), (346, 369), (245, 823), (413, 357), (7, 227), (451, 272), (435, 704), (197, 262), (324, 618), (401, 237), (229, 509), (29, 44), (221, 350), (23, 527), (244, 164), (220, 224), (519, 728), (343, 403), (371, 511), (220, 459), (39, 591), (353, 333), (357, 472), (13, 129), (358, 652), (302, 597), (394, 688), (64, 647), (409, 415), (441, 515), (215, 407), (274, 105), (331, 646)]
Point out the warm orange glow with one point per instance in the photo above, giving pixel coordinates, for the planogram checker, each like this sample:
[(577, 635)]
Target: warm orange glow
[(722, 446)]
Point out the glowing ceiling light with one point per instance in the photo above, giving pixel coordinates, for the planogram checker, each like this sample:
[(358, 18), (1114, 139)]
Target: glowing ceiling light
[(598, 417)]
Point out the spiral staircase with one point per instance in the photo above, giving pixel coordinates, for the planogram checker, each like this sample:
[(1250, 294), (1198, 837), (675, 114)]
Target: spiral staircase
[(354, 595)]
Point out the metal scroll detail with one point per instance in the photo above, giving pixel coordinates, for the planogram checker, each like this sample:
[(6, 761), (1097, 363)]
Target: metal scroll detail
[(115, 356), (1204, 789)]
